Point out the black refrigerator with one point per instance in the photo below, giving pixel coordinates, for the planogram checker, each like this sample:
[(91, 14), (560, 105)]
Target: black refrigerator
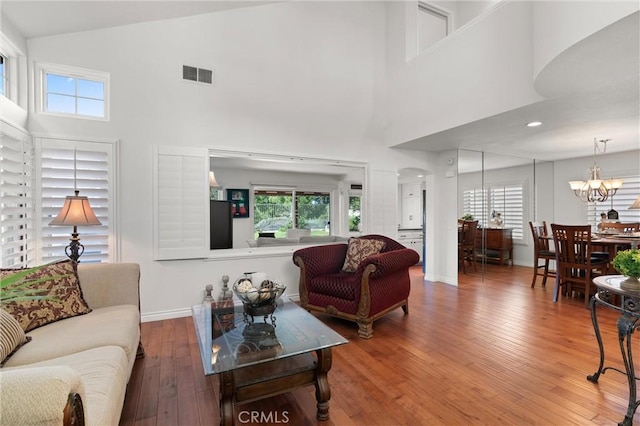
[(221, 225)]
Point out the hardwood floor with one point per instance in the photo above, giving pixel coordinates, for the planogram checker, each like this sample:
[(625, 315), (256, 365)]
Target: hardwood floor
[(488, 352)]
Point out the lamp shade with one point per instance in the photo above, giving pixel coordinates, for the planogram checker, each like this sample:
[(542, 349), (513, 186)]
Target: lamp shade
[(76, 211), (635, 205), (212, 180)]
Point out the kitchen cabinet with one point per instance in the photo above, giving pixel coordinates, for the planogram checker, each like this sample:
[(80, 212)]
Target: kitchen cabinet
[(411, 206), (411, 239)]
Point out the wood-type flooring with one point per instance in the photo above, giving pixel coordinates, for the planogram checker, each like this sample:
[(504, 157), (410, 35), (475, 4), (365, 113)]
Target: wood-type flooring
[(491, 351)]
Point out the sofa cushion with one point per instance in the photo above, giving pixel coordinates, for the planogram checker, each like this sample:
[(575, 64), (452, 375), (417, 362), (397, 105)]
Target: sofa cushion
[(358, 250), (58, 290), (114, 325), (12, 336), (342, 285), (104, 376)]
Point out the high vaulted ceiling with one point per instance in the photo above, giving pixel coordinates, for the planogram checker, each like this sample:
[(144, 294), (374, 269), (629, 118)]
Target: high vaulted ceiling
[(592, 89)]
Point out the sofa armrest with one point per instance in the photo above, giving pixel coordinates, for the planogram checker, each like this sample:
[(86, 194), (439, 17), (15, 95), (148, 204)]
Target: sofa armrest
[(41, 395), (320, 260), (110, 284), (389, 262)]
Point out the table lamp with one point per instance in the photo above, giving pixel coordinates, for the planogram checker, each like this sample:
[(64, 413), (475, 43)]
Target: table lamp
[(635, 205), (75, 212)]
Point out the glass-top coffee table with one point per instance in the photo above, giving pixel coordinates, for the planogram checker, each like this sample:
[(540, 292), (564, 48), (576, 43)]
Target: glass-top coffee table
[(259, 357)]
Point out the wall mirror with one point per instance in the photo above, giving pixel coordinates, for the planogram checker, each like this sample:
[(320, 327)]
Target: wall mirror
[(499, 192), (286, 199)]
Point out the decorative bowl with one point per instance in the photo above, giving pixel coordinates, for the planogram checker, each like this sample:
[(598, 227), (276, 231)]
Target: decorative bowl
[(256, 295)]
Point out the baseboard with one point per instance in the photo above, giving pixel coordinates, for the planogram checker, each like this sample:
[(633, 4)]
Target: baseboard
[(186, 312), (164, 315)]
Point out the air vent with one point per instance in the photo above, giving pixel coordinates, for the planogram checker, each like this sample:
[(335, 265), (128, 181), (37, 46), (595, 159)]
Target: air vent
[(356, 186), (200, 75)]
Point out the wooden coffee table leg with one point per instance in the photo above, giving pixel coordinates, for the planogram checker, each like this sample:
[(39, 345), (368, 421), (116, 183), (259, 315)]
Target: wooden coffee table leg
[(323, 392), (227, 389)]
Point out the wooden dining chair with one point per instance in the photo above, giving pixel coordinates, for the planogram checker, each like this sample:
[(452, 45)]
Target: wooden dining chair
[(621, 227), (575, 265), (467, 244), (541, 251)]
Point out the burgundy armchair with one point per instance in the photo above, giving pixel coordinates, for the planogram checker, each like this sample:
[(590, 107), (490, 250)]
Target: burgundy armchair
[(380, 284)]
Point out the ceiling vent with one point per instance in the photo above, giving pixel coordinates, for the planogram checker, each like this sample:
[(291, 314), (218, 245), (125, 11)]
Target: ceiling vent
[(199, 75)]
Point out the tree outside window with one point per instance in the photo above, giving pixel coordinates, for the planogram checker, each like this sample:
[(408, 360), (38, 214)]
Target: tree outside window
[(278, 211)]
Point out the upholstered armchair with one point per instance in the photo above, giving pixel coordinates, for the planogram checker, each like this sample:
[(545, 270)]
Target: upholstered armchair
[(379, 284)]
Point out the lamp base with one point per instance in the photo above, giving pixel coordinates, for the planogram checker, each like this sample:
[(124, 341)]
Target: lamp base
[(74, 250)]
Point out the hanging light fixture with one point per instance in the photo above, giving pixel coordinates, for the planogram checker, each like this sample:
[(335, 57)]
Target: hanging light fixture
[(595, 189)]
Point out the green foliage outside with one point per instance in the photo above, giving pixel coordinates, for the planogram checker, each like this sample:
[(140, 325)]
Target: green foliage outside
[(275, 213), (354, 213)]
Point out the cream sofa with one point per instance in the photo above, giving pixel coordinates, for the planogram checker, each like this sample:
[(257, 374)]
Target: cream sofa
[(87, 358)]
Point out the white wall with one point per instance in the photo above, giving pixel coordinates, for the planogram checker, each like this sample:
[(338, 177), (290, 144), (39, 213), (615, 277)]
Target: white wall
[(472, 74), (292, 77)]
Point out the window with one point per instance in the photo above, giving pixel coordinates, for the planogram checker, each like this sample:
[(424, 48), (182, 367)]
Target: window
[(88, 166), (625, 196), (434, 24), (16, 198), (277, 210), (72, 92), (505, 199), (3, 75)]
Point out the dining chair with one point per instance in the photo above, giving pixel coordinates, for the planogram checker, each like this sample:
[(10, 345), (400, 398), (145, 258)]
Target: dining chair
[(575, 264), (467, 244), (541, 251), (620, 227)]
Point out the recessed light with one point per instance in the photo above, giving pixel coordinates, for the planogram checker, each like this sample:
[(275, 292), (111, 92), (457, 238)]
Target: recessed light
[(534, 124), (420, 176)]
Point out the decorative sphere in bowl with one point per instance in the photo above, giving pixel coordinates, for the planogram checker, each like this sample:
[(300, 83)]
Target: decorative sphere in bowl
[(258, 294)]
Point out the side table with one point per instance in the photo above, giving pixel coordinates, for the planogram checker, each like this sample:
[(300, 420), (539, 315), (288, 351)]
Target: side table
[(629, 320)]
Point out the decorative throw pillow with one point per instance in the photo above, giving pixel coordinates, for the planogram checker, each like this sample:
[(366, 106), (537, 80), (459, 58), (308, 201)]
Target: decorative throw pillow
[(11, 336), (43, 294), (358, 250)]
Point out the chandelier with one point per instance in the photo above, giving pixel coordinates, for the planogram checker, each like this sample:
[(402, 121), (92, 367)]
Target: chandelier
[(595, 189)]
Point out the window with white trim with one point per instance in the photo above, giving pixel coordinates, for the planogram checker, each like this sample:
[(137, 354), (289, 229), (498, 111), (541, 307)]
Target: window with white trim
[(16, 198), (434, 24), (276, 210), (94, 176), (68, 91), (620, 202), (508, 200)]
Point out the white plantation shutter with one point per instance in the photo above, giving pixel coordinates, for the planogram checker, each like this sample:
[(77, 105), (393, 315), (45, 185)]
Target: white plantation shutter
[(94, 177), (181, 212), (509, 200), (474, 203), (505, 199), (17, 231), (625, 196)]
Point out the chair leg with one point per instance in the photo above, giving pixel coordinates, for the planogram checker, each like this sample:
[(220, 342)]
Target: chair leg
[(473, 259), (535, 273), (365, 328), (556, 289), (546, 273)]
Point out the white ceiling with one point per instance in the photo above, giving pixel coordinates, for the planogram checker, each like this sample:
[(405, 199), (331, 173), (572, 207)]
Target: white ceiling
[(51, 17), (592, 89)]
